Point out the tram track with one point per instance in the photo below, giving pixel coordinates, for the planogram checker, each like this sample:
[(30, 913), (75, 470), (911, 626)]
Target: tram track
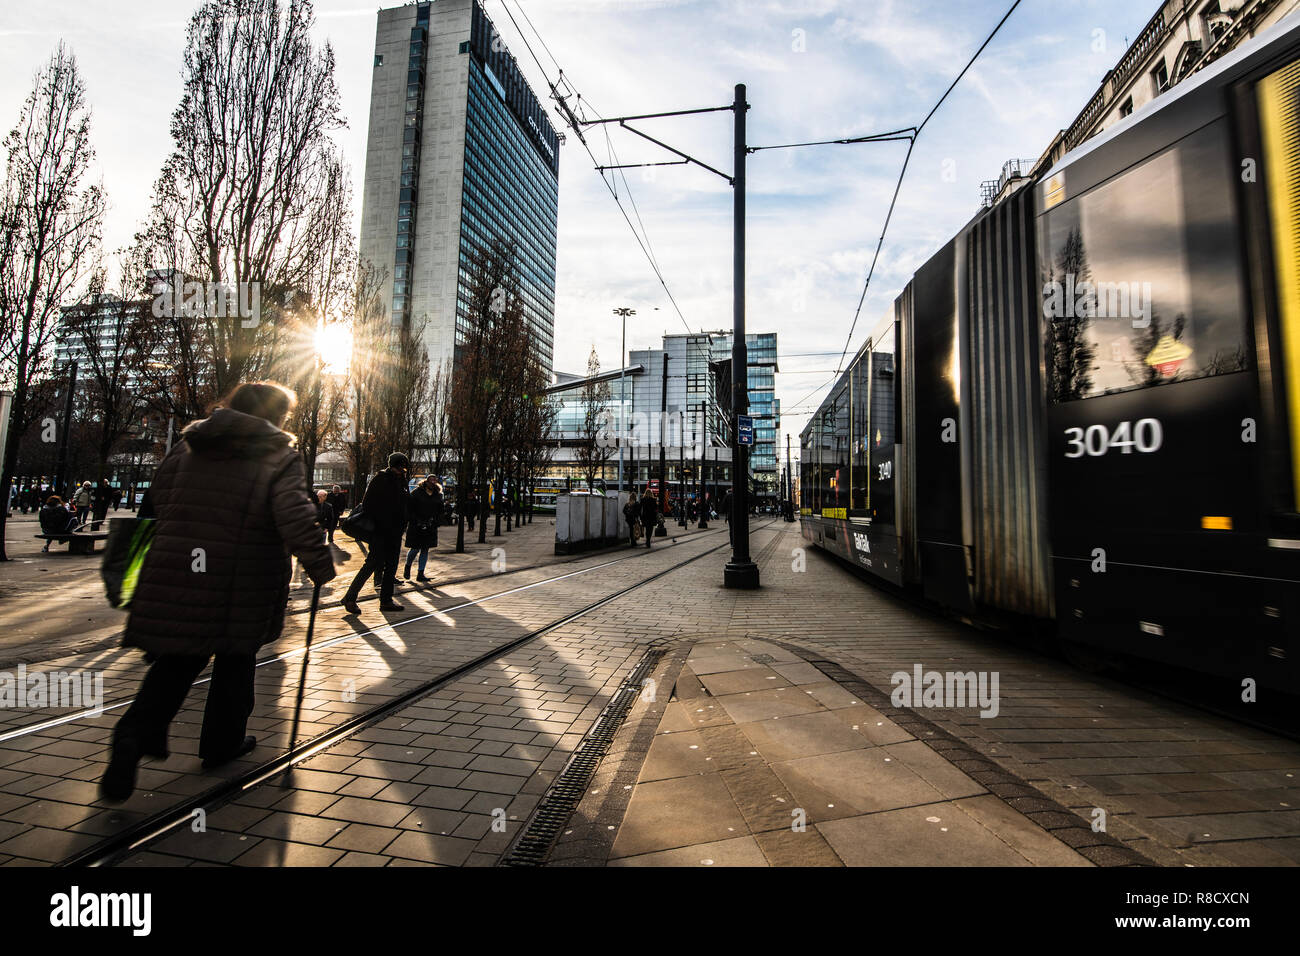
[(642, 553), (131, 839)]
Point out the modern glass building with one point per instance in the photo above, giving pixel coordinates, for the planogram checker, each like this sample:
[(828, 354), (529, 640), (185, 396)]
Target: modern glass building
[(459, 152), (764, 407)]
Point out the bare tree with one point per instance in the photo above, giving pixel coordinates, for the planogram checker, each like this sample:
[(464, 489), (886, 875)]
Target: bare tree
[(102, 325), (254, 196), (479, 384), (49, 232)]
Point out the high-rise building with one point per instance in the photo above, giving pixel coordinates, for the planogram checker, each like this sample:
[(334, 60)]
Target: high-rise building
[(459, 152)]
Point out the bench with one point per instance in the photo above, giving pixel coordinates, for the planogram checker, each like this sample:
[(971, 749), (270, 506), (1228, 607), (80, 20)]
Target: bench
[(79, 542)]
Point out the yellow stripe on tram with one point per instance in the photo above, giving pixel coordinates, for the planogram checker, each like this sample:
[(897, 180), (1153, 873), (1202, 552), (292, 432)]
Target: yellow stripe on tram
[(1279, 111)]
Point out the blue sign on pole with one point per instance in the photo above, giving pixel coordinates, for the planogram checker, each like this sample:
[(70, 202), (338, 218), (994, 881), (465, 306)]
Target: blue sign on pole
[(745, 429)]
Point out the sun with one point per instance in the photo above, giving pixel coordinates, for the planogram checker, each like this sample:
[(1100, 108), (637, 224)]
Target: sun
[(334, 346)]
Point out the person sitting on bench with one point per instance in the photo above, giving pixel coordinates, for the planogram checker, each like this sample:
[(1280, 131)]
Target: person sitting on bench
[(56, 519)]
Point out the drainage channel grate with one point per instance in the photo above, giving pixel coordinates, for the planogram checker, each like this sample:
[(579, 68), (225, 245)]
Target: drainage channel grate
[(553, 813), (762, 658)]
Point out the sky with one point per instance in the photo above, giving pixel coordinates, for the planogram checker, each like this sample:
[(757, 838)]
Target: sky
[(814, 70)]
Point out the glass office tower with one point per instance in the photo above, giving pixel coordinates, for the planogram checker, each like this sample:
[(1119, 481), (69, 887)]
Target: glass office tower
[(459, 151)]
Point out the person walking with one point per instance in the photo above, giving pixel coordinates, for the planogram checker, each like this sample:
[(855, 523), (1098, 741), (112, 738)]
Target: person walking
[(385, 503), (82, 501), (632, 514), (471, 507), (424, 513), (101, 497), (649, 516), (339, 501), (231, 508), (326, 516)]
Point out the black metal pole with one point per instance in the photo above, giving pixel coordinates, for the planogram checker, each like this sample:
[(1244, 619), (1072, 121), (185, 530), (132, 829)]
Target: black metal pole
[(741, 572), (61, 464), (681, 473), (704, 460), (660, 530), (789, 483)]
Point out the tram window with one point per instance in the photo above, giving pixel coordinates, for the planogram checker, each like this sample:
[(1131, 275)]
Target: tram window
[(1137, 288), (841, 441), (859, 436), (881, 437)]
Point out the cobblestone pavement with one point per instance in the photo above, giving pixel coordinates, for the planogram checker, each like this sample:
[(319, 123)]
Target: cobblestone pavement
[(426, 785)]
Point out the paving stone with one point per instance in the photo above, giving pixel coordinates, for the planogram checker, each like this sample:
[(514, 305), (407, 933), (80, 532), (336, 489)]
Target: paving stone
[(684, 811), (283, 853), (430, 848), (740, 851)]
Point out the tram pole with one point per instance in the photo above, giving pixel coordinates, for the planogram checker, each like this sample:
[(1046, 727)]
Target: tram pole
[(740, 572)]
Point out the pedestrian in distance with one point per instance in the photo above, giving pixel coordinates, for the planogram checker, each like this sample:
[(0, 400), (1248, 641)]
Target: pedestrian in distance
[(632, 514), (649, 516), (339, 501), (55, 518), (230, 508), (82, 500), (326, 516), (101, 497), (385, 503), (471, 507), (424, 513)]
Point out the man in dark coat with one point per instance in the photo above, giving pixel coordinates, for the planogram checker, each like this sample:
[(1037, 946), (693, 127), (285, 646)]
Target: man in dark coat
[(649, 515), (231, 509), (326, 516), (339, 501), (100, 499), (385, 503)]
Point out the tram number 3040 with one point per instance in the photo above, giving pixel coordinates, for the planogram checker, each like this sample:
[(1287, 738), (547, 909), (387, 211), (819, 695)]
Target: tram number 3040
[(1145, 435)]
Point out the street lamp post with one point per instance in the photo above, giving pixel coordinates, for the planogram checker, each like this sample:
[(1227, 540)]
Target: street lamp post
[(622, 390), (704, 458), (681, 468)]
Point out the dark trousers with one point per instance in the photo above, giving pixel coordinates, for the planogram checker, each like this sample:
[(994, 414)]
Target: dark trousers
[(382, 563), (225, 716)]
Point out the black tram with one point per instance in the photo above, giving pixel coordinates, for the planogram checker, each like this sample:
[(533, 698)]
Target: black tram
[(1085, 408)]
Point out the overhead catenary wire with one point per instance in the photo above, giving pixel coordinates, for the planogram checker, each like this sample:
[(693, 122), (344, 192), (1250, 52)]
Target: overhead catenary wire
[(643, 237), (903, 172)]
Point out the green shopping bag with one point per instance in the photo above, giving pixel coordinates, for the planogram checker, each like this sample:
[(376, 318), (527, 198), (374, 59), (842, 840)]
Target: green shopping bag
[(128, 543)]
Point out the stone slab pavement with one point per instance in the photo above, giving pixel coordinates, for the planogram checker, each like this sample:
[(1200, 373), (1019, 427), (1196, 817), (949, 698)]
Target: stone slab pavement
[(761, 759)]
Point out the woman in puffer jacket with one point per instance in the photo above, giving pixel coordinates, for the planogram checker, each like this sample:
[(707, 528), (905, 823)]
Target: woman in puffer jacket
[(232, 508)]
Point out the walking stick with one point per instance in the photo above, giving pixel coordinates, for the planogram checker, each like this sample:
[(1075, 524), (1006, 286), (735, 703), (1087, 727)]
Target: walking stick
[(302, 678)]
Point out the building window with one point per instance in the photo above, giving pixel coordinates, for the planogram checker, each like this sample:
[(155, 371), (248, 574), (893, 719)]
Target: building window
[(1127, 108), (464, 46), (1160, 77), (379, 59)]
